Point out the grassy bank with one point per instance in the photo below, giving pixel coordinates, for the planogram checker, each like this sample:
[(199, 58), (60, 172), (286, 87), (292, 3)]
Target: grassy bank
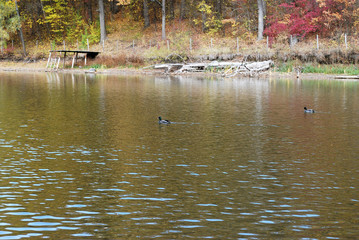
[(336, 69)]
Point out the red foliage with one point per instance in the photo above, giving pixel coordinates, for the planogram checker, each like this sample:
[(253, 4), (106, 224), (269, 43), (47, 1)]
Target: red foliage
[(300, 19), (305, 17)]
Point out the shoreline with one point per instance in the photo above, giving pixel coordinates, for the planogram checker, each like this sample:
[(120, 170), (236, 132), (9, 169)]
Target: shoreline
[(38, 67)]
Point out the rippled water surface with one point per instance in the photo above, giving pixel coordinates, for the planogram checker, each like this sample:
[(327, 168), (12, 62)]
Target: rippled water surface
[(83, 157)]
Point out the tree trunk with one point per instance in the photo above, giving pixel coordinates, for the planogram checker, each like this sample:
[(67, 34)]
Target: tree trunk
[(172, 9), (102, 20), (20, 30), (113, 7), (204, 20), (183, 10), (163, 19), (89, 11), (145, 14), (37, 28), (219, 4), (155, 19), (261, 11), (47, 24)]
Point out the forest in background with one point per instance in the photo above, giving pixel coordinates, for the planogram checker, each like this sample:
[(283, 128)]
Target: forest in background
[(134, 30)]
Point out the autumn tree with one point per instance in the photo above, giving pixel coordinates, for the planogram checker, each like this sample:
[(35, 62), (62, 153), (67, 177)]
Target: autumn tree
[(163, 19), (209, 19), (64, 21), (146, 14), (102, 20), (162, 3), (9, 20), (261, 15), (20, 30), (88, 10), (183, 10), (336, 16), (304, 17)]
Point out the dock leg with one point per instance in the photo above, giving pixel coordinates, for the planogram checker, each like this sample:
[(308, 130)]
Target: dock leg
[(52, 63), (73, 61), (85, 59), (58, 63), (48, 60), (63, 66)]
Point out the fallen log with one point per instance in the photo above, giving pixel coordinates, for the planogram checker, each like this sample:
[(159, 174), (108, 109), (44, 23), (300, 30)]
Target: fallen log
[(346, 77), (226, 69)]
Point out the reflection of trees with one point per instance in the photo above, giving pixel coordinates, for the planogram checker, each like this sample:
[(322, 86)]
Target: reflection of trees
[(243, 142)]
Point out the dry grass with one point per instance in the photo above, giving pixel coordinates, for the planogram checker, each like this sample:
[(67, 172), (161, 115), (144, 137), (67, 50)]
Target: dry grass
[(129, 45), (118, 60)]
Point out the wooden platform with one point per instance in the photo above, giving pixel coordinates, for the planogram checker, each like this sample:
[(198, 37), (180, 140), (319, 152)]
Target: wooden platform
[(55, 62)]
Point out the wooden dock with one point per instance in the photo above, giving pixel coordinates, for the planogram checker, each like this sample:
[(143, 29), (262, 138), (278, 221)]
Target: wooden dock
[(55, 62)]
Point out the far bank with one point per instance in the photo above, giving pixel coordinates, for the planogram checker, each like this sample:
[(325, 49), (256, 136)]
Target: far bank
[(40, 66)]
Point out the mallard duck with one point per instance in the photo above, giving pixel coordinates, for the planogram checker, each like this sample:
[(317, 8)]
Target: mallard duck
[(306, 110), (160, 121)]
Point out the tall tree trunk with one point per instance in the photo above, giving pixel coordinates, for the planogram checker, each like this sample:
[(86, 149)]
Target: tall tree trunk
[(172, 9), (113, 6), (219, 4), (89, 11), (20, 30), (204, 20), (47, 24), (155, 19), (37, 28), (261, 12), (145, 14), (102, 20), (163, 19), (183, 10)]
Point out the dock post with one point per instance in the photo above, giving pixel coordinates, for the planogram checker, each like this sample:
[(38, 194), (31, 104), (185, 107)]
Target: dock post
[(48, 60), (58, 63), (237, 45), (63, 66), (73, 61)]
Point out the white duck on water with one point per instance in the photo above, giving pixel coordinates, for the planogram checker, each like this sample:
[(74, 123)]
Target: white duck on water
[(162, 121), (306, 110)]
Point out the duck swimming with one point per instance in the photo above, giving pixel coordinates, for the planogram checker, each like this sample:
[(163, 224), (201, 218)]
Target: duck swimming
[(306, 110), (160, 121)]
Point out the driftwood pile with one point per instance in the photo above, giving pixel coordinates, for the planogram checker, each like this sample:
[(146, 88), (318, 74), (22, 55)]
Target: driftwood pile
[(226, 69)]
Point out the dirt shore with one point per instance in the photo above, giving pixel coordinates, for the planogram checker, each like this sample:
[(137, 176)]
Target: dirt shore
[(40, 66)]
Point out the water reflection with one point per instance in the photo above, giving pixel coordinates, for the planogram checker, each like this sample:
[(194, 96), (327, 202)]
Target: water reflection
[(82, 156)]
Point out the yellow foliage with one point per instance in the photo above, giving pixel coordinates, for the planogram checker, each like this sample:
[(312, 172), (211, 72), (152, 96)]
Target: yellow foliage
[(230, 20), (286, 19)]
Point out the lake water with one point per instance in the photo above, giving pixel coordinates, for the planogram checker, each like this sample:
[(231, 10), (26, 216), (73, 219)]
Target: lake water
[(83, 157)]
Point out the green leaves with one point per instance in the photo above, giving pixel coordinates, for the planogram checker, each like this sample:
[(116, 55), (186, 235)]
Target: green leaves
[(64, 20), (9, 21), (209, 19)]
